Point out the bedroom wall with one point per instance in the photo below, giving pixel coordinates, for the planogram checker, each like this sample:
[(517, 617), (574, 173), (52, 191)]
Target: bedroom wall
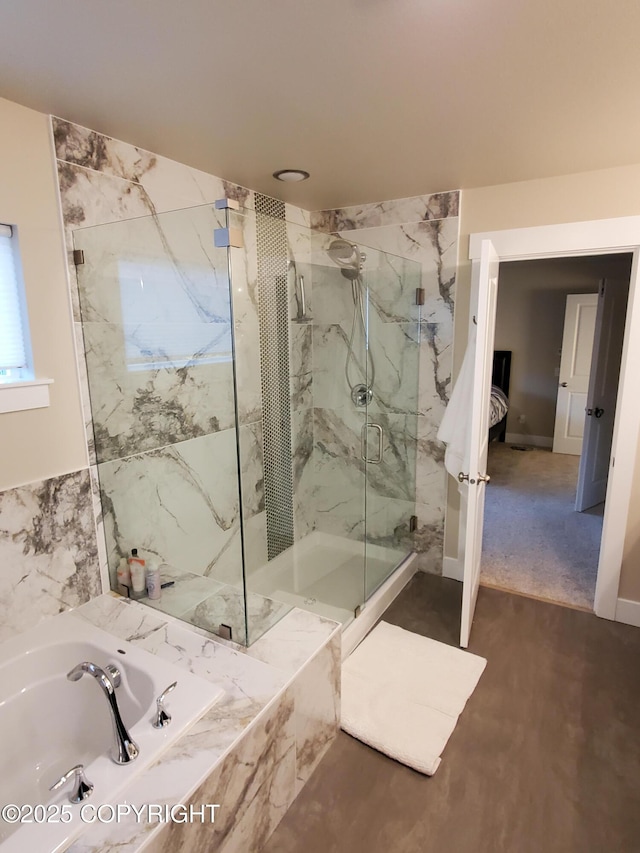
[(530, 322), (603, 194)]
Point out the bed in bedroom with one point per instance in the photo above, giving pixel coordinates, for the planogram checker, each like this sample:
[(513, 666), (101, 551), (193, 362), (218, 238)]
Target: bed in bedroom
[(499, 405)]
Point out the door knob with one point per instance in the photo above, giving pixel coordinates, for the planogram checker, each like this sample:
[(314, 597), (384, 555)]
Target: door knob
[(599, 412), (563, 384)]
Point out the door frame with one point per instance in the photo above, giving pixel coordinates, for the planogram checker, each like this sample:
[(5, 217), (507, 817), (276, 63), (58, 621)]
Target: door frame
[(597, 237)]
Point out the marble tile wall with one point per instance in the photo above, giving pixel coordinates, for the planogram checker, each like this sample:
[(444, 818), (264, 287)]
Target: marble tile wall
[(48, 550), (412, 347)]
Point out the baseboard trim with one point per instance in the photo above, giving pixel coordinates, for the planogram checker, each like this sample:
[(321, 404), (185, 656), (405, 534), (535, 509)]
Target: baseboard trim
[(628, 612), (451, 568), (529, 440)]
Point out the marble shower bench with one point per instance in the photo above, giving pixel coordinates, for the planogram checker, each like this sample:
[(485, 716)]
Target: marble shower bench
[(252, 753)]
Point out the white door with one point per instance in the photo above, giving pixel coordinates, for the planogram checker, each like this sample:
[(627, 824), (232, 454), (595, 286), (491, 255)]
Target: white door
[(575, 367), (484, 293), (602, 393)]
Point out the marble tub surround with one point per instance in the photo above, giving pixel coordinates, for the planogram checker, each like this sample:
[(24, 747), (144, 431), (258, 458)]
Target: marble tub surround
[(250, 753), (290, 647), (48, 550), (317, 704), (293, 642), (423, 229)]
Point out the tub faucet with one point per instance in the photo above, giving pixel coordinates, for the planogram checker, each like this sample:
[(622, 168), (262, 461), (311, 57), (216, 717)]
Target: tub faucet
[(125, 750)]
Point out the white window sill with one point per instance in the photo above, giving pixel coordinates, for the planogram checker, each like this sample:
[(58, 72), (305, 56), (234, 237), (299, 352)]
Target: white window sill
[(19, 396)]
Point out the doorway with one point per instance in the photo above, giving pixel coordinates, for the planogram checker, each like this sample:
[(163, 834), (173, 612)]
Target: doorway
[(536, 540), (487, 251)]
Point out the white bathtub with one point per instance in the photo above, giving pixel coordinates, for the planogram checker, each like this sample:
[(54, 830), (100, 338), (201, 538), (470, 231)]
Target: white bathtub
[(48, 724)]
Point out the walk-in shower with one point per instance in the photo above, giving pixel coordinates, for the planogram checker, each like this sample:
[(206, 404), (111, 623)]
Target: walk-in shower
[(223, 375)]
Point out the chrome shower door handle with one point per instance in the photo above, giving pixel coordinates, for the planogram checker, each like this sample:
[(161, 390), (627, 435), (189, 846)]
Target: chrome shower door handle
[(303, 301), (363, 443)]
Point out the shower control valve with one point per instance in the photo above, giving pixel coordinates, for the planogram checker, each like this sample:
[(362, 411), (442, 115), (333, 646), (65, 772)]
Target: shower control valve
[(361, 395)]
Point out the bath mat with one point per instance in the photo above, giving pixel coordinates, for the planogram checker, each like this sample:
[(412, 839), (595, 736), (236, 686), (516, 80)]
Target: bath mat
[(402, 694)]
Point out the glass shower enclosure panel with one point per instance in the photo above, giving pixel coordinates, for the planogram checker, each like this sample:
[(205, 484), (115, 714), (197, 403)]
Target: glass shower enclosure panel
[(327, 359), (157, 335), (304, 533)]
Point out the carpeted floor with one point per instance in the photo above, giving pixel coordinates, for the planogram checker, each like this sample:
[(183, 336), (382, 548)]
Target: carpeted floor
[(534, 541), (545, 757)]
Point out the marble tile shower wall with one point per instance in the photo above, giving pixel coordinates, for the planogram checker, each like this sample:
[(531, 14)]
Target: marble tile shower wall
[(409, 407)]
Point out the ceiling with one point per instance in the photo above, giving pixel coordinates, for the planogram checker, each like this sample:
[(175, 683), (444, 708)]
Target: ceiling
[(377, 99)]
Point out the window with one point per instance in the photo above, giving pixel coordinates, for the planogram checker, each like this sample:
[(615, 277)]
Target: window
[(18, 388), (14, 340)]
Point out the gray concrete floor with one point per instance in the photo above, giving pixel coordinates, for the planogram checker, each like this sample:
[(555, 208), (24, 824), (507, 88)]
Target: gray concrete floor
[(545, 757)]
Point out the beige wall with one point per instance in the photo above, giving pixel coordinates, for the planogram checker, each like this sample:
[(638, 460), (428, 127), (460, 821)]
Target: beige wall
[(39, 443), (530, 322), (603, 194), (630, 578)]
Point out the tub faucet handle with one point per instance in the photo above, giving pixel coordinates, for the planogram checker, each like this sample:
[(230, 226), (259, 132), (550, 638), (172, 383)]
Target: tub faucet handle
[(163, 718), (82, 787)]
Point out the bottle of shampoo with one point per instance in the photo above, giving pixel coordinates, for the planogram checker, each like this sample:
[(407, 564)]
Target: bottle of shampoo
[(153, 580), (137, 569)]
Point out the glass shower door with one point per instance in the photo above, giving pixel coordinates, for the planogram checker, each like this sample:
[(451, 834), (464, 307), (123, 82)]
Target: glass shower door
[(391, 413), (341, 368)]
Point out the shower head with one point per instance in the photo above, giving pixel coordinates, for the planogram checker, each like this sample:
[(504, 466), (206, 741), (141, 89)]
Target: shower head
[(347, 256)]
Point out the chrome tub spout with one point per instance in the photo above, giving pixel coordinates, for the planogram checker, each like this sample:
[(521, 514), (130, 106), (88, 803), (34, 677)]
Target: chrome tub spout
[(124, 750)]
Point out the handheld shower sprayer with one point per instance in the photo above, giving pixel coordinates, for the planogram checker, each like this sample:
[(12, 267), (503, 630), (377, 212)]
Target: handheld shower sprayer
[(351, 260)]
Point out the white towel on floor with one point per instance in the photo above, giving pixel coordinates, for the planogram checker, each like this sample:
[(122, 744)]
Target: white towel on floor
[(402, 694), (456, 423)]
